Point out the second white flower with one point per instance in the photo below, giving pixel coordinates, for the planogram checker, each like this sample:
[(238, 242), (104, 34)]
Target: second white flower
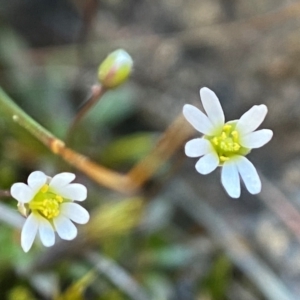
[(50, 203), (226, 144)]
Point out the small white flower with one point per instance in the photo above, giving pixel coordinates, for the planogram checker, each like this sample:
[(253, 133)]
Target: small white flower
[(226, 144), (50, 201)]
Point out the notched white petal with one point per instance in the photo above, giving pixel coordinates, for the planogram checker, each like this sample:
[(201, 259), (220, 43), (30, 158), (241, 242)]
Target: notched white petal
[(198, 119), (197, 147), (29, 232), (65, 228), (230, 179), (73, 191), (61, 179), (22, 192), (46, 232), (251, 119), (75, 212), (207, 163), (249, 175), (256, 139), (212, 107), (36, 180)]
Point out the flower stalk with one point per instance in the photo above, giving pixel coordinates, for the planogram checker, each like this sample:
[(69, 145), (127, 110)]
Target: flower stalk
[(97, 92), (20, 117), (98, 173), (171, 140)]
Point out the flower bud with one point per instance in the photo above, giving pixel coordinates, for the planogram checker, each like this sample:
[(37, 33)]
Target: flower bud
[(115, 69)]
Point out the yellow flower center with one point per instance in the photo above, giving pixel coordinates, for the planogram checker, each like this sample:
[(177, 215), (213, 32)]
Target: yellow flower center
[(227, 143), (46, 203)]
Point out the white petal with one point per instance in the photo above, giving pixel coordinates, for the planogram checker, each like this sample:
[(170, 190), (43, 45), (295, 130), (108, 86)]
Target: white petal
[(29, 231), (249, 175), (230, 179), (22, 192), (212, 107), (197, 147), (61, 179), (198, 119), (73, 191), (46, 232), (251, 119), (207, 163), (36, 180), (256, 139), (75, 212), (65, 228)]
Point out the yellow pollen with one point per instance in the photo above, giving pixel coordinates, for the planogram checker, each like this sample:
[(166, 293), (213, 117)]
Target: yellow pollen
[(50, 208), (223, 158), (235, 135), (46, 203), (223, 135), (60, 199), (227, 128), (227, 144), (223, 145), (215, 141), (236, 147)]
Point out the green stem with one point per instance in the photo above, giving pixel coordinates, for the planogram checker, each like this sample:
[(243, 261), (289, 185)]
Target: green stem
[(96, 172), (8, 106), (97, 92)]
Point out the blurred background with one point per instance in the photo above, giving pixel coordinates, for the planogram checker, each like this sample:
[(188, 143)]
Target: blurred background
[(181, 237)]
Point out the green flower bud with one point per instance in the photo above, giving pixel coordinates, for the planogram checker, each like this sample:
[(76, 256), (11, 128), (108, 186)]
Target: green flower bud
[(115, 69)]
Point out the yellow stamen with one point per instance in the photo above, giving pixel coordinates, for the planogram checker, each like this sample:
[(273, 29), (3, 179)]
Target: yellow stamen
[(46, 203), (227, 143), (60, 199), (235, 136), (223, 158), (227, 128), (50, 208), (236, 147), (223, 136), (215, 141)]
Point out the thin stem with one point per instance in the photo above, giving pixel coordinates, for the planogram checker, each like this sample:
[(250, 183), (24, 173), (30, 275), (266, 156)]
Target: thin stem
[(170, 141), (96, 172), (4, 193), (97, 92), (19, 116)]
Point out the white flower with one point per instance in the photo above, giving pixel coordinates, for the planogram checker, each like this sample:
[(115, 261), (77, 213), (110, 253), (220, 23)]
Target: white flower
[(226, 144), (50, 201)]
